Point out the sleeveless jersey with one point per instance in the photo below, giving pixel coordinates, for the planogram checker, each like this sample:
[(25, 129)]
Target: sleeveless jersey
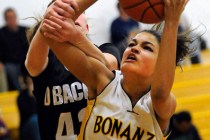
[(61, 99), (113, 118)]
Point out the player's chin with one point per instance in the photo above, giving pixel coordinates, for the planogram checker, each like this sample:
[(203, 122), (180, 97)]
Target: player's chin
[(125, 66)]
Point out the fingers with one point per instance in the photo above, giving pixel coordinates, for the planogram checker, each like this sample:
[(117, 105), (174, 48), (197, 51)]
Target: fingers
[(52, 24), (72, 3), (52, 36), (52, 12), (175, 2), (57, 29), (58, 21), (51, 33), (64, 9), (48, 28), (63, 13)]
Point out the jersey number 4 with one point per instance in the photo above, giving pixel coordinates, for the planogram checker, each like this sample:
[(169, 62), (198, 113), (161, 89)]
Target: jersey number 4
[(65, 120)]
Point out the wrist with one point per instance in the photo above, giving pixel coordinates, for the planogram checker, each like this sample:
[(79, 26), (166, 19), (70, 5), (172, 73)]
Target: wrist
[(171, 25), (80, 40)]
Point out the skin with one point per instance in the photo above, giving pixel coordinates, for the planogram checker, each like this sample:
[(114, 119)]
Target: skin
[(37, 56), (141, 67), (63, 9), (138, 63)]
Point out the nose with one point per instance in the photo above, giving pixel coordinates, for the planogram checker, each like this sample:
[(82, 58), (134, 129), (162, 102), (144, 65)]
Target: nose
[(135, 50)]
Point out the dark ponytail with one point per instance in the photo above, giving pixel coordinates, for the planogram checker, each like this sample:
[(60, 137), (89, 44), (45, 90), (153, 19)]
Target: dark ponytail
[(183, 42)]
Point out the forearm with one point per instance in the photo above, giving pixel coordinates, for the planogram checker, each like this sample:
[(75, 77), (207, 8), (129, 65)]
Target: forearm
[(164, 75), (84, 44), (37, 56), (71, 34), (91, 50), (166, 62)]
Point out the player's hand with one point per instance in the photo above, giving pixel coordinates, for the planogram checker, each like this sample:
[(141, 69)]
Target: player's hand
[(62, 9), (174, 9), (62, 31)]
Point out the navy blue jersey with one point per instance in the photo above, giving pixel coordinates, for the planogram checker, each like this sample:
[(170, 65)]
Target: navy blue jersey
[(61, 100)]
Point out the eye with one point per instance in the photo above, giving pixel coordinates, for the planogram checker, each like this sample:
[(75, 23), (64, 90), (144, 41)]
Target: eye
[(131, 44), (148, 48)]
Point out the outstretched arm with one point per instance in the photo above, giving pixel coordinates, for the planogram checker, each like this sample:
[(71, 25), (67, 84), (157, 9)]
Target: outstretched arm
[(61, 31), (90, 69), (163, 101), (37, 56)]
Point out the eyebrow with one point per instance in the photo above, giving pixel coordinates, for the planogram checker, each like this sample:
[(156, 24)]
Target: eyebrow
[(147, 43), (134, 40), (143, 43)]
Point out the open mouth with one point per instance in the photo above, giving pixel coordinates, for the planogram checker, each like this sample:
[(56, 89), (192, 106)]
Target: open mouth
[(131, 57)]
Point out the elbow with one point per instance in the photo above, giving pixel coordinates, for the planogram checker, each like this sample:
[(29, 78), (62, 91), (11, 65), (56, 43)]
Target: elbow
[(29, 67), (110, 62), (162, 89), (34, 68), (161, 93)]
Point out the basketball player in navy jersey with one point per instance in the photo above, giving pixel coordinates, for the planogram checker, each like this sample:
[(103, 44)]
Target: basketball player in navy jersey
[(136, 102), (61, 98)]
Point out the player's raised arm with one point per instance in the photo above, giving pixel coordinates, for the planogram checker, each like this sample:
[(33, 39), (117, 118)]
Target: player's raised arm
[(164, 103), (37, 56)]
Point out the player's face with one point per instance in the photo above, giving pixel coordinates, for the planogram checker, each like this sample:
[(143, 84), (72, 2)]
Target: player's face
[(141, 55), (81, 22)]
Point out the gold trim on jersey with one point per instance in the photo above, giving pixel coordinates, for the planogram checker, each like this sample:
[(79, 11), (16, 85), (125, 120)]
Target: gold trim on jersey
[(88, 110)]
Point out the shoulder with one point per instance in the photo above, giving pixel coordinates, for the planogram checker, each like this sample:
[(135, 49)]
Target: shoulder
[(116, 21), (23, 27), (3, 28), (111, 49), (111, 87), (133, 22)]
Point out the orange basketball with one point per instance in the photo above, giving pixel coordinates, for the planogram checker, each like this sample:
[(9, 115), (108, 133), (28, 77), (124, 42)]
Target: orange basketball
[(145, 11)]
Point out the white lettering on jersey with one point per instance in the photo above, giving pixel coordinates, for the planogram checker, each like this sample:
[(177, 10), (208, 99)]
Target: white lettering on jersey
[(66, 94), (57, 97), (77, 96), (65, 121), (47, 97)]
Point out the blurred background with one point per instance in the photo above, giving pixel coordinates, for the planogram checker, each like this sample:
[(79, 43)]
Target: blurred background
[(192, 81)]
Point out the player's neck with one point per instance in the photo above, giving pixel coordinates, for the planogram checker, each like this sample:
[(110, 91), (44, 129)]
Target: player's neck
[(135, 89)]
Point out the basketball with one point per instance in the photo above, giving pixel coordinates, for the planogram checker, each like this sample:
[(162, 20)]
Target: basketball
[(145, 11)]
